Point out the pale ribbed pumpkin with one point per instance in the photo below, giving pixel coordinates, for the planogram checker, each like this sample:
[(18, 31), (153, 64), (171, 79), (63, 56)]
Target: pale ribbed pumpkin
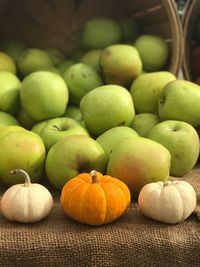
[(169, 201), (95, 199), (28, 202)]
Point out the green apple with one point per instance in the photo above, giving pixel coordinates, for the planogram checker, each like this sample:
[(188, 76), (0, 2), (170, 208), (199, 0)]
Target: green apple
[(51, 69), (58, 128), (64, 65), (120, 64), (13, 48), (73, 155), (106, 107), (10, 128), (130, 29), (179, 100), (21, 149), (24, 120), (146, 88), (44, 95), (137, 161), (100, 32), (84, 126), (144, 122), (80, 79), (182, 141), (143, 72), (33, 59), (153, 50), (55, 55), (92, 58), (9, 92), (112, 137), (7, 119), (7, 63), (73, 112), (37, 127)]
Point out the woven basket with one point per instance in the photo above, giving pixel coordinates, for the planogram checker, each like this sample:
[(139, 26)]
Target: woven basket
[(59, 23), (191, 13)]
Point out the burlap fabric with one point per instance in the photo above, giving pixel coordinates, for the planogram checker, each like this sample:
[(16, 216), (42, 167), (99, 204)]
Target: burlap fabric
[(133, 240)]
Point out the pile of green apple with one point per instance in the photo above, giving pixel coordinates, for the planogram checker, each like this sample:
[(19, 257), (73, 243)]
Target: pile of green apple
[(109, 106)]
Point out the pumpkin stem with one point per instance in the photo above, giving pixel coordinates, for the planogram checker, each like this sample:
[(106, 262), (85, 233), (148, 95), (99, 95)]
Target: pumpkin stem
[(166, 183), (95, 179), (25, 174)]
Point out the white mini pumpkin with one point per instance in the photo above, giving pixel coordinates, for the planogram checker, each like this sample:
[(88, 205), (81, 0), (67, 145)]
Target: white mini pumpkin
[(28, 202), (169, 202)]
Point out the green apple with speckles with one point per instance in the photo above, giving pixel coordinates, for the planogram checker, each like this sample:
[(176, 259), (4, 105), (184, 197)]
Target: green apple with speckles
[(100, 32), (182, 141), (37, 128), (179, 100), (106, 107), (73, 112), (120, 64), (21, 149), (43, 95), (71, 156), (7, 63), (146, 89), (137, 161), (80, 79), (153, 50), (144, 122), (10, 128), (33, 59), (92, 58), (7, 119), (112, 137), (56, 129), (10, 87), (51, 69)]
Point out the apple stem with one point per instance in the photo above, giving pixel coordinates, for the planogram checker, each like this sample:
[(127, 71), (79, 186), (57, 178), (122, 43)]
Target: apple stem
[(56, 127), (95, 179), (25, 174)]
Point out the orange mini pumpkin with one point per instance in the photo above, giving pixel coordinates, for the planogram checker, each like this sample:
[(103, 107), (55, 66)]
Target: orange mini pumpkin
[(95, 199)]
